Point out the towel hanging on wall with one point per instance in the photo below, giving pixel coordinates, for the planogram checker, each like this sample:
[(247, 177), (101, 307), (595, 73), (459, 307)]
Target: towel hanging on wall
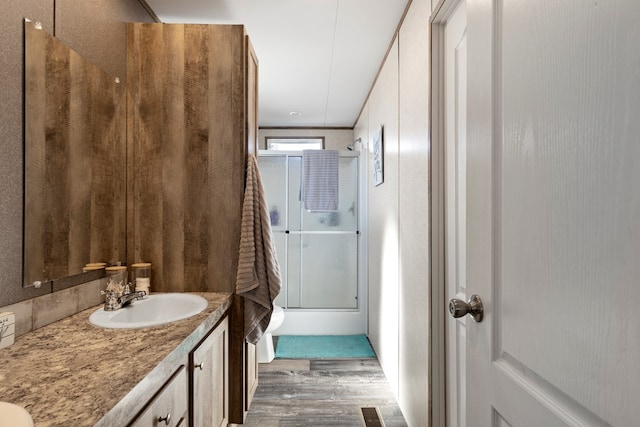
[(320, 180), (258, 278)]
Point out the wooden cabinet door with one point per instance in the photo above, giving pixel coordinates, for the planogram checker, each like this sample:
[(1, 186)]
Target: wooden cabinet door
[(251, 372), (252, 100), (210, 372), (170, 406), (190, 134)]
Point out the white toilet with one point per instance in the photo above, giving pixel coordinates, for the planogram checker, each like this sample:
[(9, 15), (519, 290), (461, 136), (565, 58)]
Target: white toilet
[(265, 345)]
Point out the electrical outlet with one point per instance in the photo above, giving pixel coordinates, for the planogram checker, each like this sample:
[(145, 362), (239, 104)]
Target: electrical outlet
[(7, 318), (7, 329)]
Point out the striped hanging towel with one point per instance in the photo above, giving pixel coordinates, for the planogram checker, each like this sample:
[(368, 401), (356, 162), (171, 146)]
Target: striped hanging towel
[(258, 278), (320, 180)]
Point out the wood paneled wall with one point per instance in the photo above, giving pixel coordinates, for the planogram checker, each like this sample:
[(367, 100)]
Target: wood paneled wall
[(188, 137)]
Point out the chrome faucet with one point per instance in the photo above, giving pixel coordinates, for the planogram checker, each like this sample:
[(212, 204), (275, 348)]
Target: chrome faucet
[(126, 299), (113, 301)]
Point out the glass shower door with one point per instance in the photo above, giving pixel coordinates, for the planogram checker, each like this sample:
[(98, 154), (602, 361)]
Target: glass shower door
[(273, 171), (317, 251), (328, 272)]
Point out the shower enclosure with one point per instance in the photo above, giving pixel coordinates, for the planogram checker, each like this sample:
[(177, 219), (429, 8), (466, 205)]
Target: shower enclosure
[(318, 252)]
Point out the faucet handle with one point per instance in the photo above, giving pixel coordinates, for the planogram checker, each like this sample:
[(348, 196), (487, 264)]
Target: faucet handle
[(110, 301)]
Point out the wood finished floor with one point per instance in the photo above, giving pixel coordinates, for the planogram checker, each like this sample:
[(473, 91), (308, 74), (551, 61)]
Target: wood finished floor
[(321, 393)]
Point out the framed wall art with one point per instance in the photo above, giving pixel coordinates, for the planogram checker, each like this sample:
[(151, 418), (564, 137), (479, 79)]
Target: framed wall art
[(378, 157)]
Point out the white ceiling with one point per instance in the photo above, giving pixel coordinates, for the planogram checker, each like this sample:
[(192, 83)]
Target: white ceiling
[(317, 57)]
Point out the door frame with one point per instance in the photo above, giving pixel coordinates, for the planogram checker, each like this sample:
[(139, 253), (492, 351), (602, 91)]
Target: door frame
[(439, 18)]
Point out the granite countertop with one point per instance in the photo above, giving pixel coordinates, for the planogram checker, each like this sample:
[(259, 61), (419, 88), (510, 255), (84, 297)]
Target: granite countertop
[(71, 373)]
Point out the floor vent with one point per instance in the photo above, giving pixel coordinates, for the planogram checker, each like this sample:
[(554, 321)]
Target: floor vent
[(371, 417)]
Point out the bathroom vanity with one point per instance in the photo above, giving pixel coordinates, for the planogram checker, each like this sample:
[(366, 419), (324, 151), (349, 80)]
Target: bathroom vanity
[(73, 373)]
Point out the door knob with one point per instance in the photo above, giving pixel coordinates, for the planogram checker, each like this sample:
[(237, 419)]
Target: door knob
[(459, 308)]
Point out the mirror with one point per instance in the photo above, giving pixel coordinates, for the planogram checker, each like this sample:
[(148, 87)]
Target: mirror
[(75, 161)]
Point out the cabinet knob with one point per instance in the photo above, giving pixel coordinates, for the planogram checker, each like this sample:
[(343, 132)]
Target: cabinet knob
[(200, 365), (166, 419)]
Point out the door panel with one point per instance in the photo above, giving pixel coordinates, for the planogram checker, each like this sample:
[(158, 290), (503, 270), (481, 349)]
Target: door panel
[(210, 376), (329, 271), (455, 79), (554, 212), (501, 422)]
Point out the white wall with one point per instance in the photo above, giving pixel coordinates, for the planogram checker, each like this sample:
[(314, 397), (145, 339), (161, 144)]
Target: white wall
[(414, 357), (334, 139), (382, 109), (399, 293)]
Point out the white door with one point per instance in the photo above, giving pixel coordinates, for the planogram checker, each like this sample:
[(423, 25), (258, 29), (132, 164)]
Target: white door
[(553, 212), (455, 122)]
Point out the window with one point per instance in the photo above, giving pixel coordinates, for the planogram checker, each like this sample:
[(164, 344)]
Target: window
[(295, 143)]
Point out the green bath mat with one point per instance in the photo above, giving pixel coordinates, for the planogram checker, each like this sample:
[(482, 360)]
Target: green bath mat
[(323, 347)]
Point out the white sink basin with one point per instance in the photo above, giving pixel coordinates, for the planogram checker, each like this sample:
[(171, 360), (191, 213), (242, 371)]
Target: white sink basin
[(153, 310), (14, 416)]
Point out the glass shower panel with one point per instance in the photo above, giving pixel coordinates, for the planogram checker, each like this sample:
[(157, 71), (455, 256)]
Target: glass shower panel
[(280, 242), (329, 270), (295, 192), (294, 270), (346, 217), (273, 170)]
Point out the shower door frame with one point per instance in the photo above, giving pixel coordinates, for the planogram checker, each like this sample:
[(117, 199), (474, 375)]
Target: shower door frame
[(319, 321)]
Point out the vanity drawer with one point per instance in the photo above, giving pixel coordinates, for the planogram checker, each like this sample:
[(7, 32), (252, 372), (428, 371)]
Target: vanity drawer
[(170, 406)]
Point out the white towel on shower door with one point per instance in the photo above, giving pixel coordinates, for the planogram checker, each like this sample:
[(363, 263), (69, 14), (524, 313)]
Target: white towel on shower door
[(320, 180)]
